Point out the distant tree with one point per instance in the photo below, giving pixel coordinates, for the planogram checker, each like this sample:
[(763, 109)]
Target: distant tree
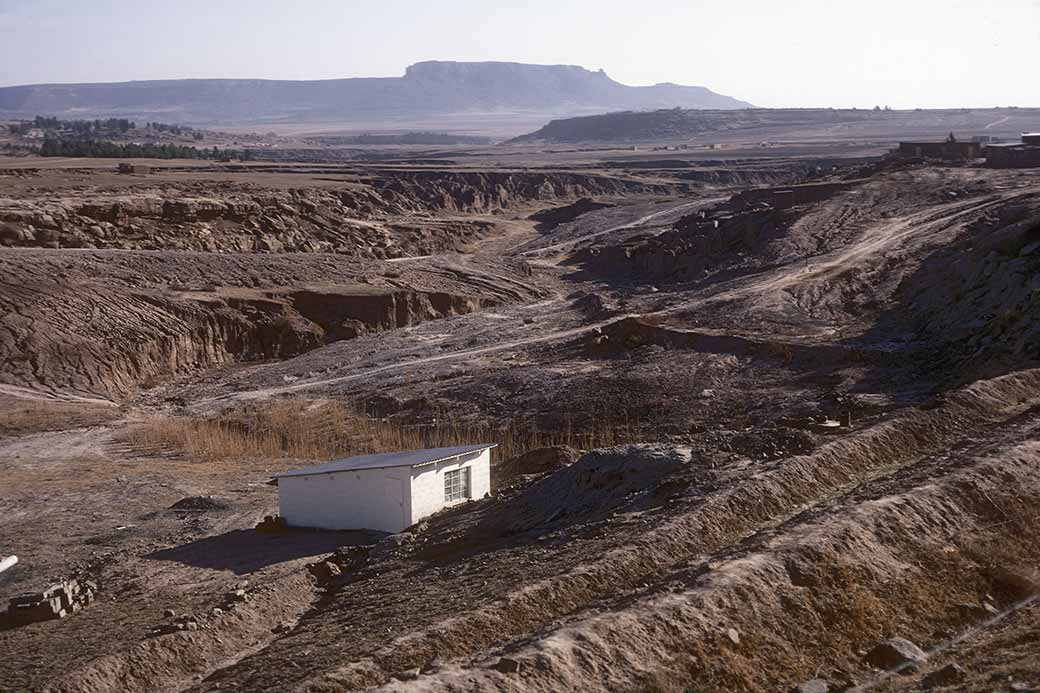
[(951, 138)]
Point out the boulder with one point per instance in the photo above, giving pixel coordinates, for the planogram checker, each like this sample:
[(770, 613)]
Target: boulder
[(812, 686), (895, 652), (407, 675), (326, 571), (949, 675), (10, 234), (507, 665)]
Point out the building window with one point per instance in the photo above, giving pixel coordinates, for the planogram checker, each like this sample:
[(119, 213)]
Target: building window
[(456, 484)]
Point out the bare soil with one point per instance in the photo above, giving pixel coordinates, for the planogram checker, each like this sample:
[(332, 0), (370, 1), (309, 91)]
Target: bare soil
[(807, 421)]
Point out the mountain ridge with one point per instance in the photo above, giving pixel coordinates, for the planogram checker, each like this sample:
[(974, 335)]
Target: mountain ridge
[(426, 88)]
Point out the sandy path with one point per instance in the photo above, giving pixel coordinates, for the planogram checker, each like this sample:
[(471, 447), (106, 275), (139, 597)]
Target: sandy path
[(998, 121)]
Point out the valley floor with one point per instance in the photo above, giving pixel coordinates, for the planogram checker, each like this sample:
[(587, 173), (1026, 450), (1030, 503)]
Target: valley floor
[(807, 428)]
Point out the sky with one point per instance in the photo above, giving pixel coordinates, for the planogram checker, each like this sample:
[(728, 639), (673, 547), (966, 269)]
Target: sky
[(773, 53)]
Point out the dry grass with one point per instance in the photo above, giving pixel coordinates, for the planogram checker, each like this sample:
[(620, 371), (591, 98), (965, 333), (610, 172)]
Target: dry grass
[(1007, 551), (22, 417), (330, 430)]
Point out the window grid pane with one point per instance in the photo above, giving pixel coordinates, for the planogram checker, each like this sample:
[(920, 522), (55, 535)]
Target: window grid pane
[(456, 484)]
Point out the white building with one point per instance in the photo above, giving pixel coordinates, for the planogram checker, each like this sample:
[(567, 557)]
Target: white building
[(387, 492)]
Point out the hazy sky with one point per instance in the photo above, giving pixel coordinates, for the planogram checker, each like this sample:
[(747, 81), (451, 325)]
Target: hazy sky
[(903, 53)]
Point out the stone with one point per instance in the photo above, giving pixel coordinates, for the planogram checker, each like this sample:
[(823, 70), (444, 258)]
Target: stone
[(169, 613), (217, 611), (733, 635), (407, 675), (895, 652), (395, 540), (947, 676), (812, 686), (325, 571), (507, 665), (969, 610)]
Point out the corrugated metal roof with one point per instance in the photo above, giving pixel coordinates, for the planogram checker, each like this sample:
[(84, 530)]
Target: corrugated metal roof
[(409, 458)]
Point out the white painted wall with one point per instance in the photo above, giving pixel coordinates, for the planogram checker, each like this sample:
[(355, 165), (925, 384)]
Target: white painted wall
[(362, 499), (386, 499), (428, 482)]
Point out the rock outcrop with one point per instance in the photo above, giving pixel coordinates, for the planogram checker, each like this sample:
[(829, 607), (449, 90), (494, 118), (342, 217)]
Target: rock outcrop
[(108, 341), (394, 214)]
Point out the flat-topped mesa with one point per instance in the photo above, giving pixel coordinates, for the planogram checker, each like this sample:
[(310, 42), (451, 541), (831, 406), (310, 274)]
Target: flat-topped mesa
[(427, 88)]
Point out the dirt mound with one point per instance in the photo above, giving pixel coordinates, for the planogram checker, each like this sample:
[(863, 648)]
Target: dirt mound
[(602, 482), (201, 504), (537, 461), (549, 219), (595, 305)]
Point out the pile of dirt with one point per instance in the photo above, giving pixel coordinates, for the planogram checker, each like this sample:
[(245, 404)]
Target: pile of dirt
[(201, 504), (537, 461), (595, 305), (549, 219), (600, 483)]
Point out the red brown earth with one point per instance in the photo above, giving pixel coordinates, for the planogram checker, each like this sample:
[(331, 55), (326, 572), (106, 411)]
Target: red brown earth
[(825, 407)]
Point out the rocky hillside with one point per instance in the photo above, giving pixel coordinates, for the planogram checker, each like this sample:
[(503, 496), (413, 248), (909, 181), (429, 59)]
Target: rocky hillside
[(107, 323), (387, 215), (426, 88)]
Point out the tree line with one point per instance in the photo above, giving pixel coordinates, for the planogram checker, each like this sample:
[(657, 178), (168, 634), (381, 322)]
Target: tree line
[(83, 128), (112, 150), (98, 127)]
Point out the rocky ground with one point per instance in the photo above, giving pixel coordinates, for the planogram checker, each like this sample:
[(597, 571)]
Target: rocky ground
[(802, 424)]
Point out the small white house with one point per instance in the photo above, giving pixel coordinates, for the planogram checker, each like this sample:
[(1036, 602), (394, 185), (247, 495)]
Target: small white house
[(386, 492)]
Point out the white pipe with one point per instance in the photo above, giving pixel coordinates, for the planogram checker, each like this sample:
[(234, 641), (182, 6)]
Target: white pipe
[(8, 563)]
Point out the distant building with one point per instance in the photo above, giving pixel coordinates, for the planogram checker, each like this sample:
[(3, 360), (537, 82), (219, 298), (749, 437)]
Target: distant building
[(1024, 154), (947, 150), (134, 168)]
